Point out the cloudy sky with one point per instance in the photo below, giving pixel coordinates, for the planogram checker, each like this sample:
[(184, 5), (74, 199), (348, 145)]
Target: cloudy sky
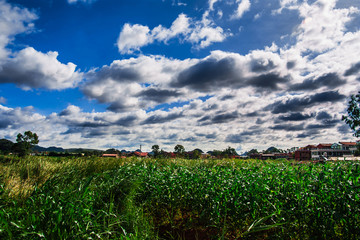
[(201, 73)]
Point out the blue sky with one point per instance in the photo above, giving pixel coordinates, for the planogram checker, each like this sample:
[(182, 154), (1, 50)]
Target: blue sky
[(204, 73)]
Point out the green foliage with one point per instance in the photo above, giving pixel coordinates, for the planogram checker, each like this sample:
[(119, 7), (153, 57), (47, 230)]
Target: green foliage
[(179, 149), (273, 150), (353, 118), (226, 153), (89, 198), (155, 149), (229, 151), (5, 146), (25, 142), (196, 154), (113, 151), (252, 151)]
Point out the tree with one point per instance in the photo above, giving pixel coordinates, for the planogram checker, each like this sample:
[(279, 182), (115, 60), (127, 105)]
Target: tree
[(179, 149), (273, 150), (25, 142), (353, 118), (230, 152), (216, 153), (196, 154), (253, 151), (155, 149), (112, 151), (6, 146)]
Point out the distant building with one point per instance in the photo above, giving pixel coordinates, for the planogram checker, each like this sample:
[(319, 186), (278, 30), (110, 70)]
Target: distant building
[(326, 150), (140, 154)]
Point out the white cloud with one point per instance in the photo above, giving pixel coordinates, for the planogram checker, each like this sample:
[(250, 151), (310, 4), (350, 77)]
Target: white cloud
[(13, 20), (323, 25), (32, 69), (133, 37), (211, 4), (243, 6), (134, 83), (29, 68), (200, 33), (181, 26)]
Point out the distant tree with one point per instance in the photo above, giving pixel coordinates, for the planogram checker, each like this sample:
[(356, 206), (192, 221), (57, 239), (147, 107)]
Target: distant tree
[(156, 150), (163, 154), (273, 150), (112, 151), (229, 151), (196, 154), (198, 149), (252, 151), (216, 153), (353, 118), (25, 142), (6, 146), (179, 149)]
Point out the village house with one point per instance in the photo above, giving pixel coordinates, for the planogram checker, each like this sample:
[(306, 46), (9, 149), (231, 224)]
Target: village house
[(325, 151)]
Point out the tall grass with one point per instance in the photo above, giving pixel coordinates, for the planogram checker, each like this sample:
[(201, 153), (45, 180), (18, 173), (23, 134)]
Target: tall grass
[(94, 198)]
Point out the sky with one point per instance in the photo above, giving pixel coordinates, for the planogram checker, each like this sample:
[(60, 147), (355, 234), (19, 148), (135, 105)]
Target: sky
[(205, 74)]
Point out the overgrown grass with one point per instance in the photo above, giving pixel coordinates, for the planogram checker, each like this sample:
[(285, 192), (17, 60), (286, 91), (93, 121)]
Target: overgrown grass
[(95, 198)]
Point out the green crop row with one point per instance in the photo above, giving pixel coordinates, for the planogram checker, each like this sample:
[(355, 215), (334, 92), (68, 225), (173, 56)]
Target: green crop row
[(94, 198)]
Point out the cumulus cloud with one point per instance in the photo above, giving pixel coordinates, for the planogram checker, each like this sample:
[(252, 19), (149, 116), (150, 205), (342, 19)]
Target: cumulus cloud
[(200, 33), (32, 69), (14, 118), (29, 68), (295, 117), (330, 80), (210, 74), (133, 37), (135, 83), (145, 81), (354, 69), (299, 104)]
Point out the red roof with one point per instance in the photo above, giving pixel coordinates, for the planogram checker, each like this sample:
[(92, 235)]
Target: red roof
[(324, 145), (141, 154), (348, 143)]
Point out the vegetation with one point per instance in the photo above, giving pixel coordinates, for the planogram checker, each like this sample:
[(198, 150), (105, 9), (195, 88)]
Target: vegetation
[(155, 149), (6, 146), (25, 142), (353, 118), (179, 149), (97, 198)]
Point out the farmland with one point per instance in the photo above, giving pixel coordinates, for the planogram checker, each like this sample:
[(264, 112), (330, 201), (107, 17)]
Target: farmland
[(96, 198)]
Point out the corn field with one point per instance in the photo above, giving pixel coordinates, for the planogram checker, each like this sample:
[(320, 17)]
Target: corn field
[(97, 198)]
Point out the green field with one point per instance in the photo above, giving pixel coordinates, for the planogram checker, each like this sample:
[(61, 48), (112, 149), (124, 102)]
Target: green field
[(96, 198)]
